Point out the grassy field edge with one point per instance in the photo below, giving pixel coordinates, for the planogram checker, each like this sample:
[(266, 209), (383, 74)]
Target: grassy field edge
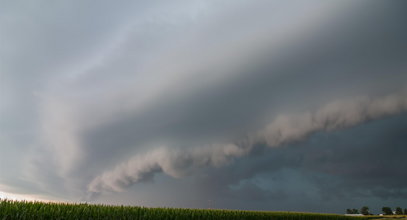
[(41, 210)]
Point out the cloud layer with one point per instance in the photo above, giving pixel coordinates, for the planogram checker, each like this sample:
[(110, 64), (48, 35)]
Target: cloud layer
[(283, 130), (97, 97)]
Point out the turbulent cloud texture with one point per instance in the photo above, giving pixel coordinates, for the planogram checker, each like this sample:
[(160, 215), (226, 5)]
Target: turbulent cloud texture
[(133, 102), (284, 129)]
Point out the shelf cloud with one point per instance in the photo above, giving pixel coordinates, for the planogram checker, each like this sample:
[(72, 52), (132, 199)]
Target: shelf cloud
[(120, 102), (283, 130)]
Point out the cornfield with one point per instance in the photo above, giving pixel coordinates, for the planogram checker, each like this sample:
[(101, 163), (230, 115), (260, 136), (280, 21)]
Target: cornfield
[(39, 210)]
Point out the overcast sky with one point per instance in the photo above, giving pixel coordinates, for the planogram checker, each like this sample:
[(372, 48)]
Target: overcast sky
[(261, 105)]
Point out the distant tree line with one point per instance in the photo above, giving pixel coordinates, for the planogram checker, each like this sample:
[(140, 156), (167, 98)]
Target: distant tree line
[(386, 211)]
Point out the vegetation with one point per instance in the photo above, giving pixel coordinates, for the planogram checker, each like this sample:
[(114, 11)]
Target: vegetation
[(387, 211), (364, 210), (399, 211), (39, 210), (352, 211)]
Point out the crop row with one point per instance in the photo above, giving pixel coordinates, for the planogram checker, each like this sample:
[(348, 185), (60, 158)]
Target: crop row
[(39, 210)]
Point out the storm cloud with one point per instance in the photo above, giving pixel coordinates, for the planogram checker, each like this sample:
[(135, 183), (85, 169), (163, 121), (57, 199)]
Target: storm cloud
[(285, 129), (136, 97)]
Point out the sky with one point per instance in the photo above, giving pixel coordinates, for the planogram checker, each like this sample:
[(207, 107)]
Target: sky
[(257, 105)]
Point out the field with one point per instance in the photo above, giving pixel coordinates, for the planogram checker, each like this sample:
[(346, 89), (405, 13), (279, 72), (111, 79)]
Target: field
[(39, 210), (390, 217)]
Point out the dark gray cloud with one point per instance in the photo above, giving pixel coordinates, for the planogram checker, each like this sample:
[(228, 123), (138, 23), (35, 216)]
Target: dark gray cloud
[(284, 129), (329, 172), (99, 97), (363, 163)]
